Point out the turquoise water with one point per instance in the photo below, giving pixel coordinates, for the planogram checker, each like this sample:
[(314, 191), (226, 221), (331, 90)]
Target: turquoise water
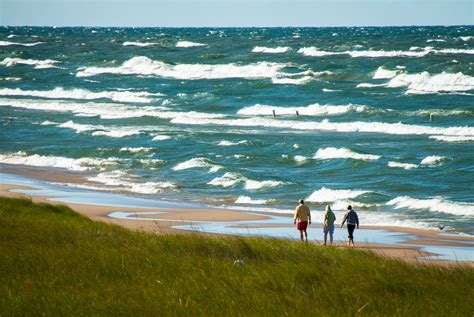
[(187, 114)]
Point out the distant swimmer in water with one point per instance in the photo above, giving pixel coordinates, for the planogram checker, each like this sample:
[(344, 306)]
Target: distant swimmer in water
[(9, 121)]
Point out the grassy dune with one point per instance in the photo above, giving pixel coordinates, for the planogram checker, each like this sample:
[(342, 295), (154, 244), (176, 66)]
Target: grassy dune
[(56, 262)]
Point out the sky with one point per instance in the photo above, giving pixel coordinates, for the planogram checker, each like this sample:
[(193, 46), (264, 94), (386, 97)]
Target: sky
[(235, 13)]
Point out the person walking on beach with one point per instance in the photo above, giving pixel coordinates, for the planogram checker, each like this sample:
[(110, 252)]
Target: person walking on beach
[(329, 219), (352, 221), (303, 216)]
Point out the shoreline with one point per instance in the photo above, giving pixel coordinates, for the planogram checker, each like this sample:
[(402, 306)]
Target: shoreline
[(410, 244)]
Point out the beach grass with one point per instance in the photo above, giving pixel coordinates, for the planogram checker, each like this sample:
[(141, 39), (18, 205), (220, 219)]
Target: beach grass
[(54, 261)]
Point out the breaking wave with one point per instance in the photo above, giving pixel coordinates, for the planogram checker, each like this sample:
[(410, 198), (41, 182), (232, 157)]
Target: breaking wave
[(325, 195), (141, 44), (342, 153), (39, 64), (311, 110), (433, 160), (433, 205), (8, 43), (450, 138), (424, 83), (407, 166), (81, 164), (189, 44), (82, 94), (123, 181), (315, 52), (230, 179), (199, 162), (275, 50), (250, 201), (142, 65), (326, 125)]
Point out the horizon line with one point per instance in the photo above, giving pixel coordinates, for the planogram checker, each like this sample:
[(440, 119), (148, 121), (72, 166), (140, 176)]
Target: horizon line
[(236, 27)]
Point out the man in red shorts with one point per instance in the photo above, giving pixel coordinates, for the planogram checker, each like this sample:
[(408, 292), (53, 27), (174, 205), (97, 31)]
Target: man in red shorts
[(303, 216)]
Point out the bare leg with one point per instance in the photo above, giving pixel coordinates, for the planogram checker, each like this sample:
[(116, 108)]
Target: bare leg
[(306, 235), (330, 237), (325, 237), (301, 235)]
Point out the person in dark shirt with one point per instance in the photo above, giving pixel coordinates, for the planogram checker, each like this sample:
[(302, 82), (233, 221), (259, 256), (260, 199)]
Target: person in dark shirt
[(352, 221)]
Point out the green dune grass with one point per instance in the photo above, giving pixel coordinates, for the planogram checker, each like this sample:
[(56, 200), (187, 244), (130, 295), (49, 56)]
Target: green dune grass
[(54, 261)]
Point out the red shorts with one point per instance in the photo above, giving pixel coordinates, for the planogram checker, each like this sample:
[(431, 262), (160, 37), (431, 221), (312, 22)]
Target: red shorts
[(302, 225)]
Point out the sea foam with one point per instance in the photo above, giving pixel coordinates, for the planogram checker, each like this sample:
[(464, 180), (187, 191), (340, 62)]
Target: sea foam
[(342, 153)]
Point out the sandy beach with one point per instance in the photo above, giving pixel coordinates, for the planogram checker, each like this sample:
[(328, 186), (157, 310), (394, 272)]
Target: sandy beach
[(411, 244)]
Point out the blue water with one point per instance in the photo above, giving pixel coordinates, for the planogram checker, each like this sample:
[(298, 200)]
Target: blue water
[(187, 114)]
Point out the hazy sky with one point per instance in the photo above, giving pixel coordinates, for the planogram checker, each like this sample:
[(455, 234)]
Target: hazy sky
[(235, 12)]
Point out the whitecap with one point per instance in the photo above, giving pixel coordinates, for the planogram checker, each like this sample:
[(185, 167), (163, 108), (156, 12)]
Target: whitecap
[(81, 164), (325, 195), (311, 110), (141, 44), (423, 83), (123, 181), (227, 180), (136, 149), (82, 94), (342, 153), (8, 43), (407, 166), (250, 201), (326, 125), (256, 185), (382, 73), (437, 204), (433, 160), (369, 85), (161, 138), (198, 162), (300, 158), (229, 143), (275, 50), (104, 110), (47, 122), (39, 64), (413, 52), (142, 65), (186, 44), (451, 138)]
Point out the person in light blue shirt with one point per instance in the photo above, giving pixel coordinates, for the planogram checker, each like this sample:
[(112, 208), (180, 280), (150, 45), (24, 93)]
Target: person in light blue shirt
[(329, 219)]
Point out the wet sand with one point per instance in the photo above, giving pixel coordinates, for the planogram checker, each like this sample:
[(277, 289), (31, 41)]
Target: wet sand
[(170, 218)]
